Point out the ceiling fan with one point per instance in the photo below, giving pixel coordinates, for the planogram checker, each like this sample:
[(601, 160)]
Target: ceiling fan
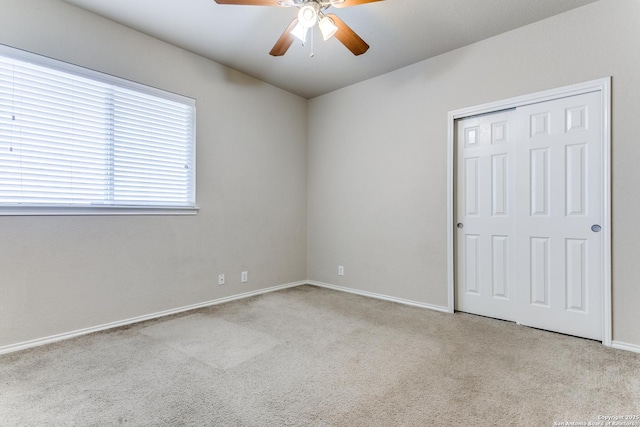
[(310, 13)]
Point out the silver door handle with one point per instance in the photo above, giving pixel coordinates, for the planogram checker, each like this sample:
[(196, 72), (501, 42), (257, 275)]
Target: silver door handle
[(596, 228)]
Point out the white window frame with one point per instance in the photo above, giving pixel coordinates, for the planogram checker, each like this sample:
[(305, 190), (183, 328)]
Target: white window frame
[(54, 210)]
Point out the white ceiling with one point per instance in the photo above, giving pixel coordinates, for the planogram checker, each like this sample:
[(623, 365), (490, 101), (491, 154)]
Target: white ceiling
[(400, 32)]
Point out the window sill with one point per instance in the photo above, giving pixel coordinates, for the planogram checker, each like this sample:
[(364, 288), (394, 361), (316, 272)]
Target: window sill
[(101, 210)]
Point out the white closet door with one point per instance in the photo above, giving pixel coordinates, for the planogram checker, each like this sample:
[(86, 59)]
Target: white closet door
[(559, 189), (528, 205), (485, 189)]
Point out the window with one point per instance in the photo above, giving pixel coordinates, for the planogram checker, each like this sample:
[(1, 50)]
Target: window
[(74, 141)]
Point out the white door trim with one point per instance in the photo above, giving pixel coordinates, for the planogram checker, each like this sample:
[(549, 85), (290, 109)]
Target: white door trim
[(600, 85)]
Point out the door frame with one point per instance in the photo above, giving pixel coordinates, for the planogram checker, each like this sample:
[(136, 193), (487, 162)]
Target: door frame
[(603, 86)]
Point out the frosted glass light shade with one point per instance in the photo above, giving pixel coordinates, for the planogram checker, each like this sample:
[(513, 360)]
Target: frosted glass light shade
[(327, 28), (300, 32)]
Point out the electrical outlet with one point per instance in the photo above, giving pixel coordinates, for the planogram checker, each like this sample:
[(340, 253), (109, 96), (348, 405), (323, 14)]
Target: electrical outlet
[(340, 270), (220, 279), (244, 276)]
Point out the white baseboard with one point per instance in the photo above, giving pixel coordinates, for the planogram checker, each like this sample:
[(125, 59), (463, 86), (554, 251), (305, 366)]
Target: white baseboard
[(67, 335), (381, 296), (625, 346)]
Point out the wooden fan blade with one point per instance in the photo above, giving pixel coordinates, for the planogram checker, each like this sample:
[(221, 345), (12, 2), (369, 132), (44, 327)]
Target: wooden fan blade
[(250, 2), (285, 41), (348, 3), (348, 37)]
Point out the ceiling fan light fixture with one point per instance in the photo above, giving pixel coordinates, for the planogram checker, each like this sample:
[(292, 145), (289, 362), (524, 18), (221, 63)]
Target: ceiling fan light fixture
[(300, 32), (308, 15), (327, 27)]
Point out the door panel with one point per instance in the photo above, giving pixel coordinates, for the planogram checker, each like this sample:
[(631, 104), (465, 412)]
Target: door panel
[(499, 170), (576, 256), (471, 186), (472, 272), (539, 180), (484, 200), (576, 170), (539, 265), (500, 257), (568, 298)]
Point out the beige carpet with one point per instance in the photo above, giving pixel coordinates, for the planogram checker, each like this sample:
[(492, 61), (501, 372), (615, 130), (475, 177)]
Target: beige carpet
[(314, 357)]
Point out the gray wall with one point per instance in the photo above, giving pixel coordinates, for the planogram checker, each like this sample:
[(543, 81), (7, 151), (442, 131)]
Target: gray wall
[(377, 153), (59, 274)]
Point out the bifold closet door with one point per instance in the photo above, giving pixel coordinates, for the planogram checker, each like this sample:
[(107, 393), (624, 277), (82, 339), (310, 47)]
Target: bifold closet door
[(528, 211)]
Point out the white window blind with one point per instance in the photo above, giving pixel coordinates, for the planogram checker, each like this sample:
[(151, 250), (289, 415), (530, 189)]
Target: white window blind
[(71, 137)]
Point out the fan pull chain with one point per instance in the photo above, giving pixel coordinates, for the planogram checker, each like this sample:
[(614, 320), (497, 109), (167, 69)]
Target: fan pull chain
[(312, 54)]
